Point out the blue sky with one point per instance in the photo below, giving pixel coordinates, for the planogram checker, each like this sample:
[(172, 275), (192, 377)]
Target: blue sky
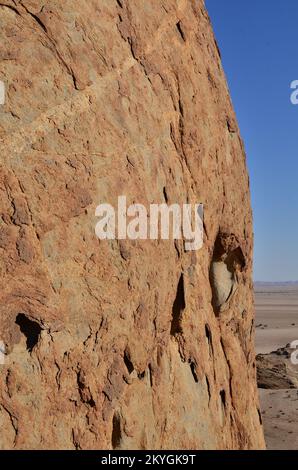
[(258, 40)]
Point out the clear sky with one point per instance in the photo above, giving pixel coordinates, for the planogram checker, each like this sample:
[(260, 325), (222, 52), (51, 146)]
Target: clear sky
[(258, 40)]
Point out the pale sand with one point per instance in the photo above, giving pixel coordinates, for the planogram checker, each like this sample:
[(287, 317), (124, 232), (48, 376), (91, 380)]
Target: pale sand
[(277, 311), (280, 418)]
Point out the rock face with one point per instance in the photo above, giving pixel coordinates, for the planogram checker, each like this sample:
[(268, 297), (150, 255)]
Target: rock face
[(121, 344)]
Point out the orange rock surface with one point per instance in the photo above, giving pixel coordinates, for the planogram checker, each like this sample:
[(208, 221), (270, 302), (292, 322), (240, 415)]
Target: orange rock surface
[(121, 344)]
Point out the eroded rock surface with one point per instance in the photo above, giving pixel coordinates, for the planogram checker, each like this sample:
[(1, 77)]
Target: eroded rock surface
[(121, 344)]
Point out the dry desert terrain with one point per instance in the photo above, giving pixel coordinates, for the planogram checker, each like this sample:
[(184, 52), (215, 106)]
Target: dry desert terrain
[(277, 326)]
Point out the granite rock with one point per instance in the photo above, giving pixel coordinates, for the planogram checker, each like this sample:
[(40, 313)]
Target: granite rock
[(118, 343)]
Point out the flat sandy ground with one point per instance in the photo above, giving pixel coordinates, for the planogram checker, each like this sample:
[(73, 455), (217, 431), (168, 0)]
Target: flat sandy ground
[(280, 418), (277, 325)]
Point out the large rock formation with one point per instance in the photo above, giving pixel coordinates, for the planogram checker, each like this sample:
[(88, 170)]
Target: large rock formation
[(121, 344)]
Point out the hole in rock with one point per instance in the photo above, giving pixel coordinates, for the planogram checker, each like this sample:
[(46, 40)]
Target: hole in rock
[(91, 403), (208, 333), (30, 329), (180, 31), (226, 261), (208, 387), (165, 195), (222, 405), (128, 363), (141, 375), (260, 416), (116, 432), (223, 398), (178, 307), (193, 371), (209, 337)]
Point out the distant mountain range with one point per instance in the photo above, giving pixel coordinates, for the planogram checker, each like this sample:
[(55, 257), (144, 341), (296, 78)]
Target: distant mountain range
[(280, 283), (275, 287)]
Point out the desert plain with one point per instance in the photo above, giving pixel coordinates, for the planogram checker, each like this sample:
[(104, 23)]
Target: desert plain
[(276, 328)]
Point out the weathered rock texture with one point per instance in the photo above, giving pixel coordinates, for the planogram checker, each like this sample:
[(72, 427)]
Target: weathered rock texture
[(120, 344)]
